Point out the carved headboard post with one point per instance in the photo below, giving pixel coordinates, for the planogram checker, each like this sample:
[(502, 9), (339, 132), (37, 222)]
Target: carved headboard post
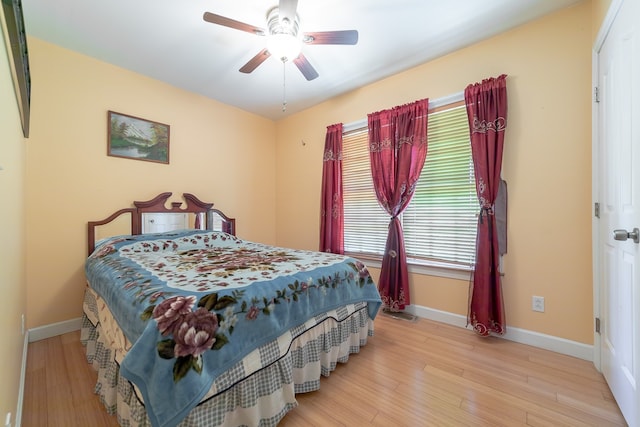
[(196, 205), (228, 224), (91, 225)]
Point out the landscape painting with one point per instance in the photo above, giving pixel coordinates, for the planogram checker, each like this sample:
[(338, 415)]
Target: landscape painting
[(135, 138)]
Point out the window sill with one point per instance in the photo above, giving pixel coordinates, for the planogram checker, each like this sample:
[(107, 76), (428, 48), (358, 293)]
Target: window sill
[(427, 268)]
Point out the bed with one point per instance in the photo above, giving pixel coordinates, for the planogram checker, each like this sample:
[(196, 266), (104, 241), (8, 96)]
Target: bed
[(187, 324)]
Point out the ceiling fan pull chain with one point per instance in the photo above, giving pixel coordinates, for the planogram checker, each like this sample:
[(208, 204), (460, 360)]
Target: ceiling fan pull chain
[(284, 87)]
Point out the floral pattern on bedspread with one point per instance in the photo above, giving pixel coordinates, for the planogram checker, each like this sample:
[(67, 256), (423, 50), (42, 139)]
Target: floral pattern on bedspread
[(236, 264), (194, 303)]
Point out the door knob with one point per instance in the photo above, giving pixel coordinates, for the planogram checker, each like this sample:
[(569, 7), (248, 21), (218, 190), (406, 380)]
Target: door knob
[(623, 235)]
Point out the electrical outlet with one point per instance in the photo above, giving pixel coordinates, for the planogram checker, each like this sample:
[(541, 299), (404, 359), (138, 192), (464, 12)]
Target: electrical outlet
[(22, 325), (537, 304)]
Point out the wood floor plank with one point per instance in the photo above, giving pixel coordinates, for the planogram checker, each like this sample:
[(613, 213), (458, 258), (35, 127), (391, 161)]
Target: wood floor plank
[(543, 420), (60, 406), (578, 367), (420, 373), (34, 410), (601, 408), (562, 383), (505, 393), (507, 416), (383, 420)]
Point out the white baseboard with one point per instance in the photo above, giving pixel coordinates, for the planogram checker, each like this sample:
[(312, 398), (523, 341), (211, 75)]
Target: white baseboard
[(54, 329), (23, 375), (522, 336)]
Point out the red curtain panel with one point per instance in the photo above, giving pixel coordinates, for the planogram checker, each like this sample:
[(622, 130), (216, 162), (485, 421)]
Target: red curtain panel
[(487, 111), (397, 148), (331, 209)]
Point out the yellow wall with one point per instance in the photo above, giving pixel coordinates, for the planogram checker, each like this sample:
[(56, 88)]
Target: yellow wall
[(547, 164), (12, 249), (219, 153)]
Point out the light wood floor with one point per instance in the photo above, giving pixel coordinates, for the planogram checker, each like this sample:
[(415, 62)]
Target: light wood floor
[(409, 374)]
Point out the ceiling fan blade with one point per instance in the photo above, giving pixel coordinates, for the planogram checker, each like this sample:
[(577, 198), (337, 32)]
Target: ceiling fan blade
[(255, 61), (331, 37), (305, 67), (287, 9), (232, 23)]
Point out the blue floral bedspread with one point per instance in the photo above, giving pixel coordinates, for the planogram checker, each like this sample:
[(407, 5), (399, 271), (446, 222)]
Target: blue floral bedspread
[(194, 303)]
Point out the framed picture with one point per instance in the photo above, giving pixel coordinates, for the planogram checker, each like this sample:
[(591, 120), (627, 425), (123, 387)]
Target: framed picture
[(135, 138), (12, 22)]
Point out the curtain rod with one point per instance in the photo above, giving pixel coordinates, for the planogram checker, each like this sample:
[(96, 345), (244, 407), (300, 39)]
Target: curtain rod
[(435, 103)]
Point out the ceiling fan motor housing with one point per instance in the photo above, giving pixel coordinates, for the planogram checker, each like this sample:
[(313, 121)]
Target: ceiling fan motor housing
[(282, 25), (283, 41)]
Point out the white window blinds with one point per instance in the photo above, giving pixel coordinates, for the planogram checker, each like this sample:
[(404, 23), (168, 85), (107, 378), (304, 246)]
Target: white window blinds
[(365, 222), (440, 222)]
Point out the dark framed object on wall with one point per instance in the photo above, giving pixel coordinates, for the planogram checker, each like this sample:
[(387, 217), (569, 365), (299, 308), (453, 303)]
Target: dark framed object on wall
[(135, 138), (16, 40)]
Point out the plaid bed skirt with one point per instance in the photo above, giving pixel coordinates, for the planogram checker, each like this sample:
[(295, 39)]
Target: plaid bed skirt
[(261, 399)]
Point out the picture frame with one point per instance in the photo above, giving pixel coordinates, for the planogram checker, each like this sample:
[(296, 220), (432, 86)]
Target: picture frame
[(135, 138), (13, 32)]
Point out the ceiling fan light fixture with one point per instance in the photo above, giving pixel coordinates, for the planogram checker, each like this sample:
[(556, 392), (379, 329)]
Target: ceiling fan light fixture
[(284, 38), (284, 46)]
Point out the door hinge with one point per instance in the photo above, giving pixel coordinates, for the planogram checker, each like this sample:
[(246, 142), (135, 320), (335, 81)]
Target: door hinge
[(596, 94), (596, 209), (597, 324)]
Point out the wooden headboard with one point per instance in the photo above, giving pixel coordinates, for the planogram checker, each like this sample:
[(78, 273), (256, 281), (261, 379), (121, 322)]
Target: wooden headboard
[(158, 205)]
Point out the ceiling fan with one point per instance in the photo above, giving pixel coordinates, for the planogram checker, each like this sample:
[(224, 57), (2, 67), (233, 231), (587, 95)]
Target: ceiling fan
[(283, 38)]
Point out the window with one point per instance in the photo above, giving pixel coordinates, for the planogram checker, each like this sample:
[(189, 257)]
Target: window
[(440, 222)]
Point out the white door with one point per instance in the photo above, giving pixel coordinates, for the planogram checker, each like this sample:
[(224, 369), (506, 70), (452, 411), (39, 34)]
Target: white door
[(619, 192)]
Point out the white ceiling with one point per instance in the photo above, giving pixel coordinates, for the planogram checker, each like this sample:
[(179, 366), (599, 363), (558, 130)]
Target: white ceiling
[(169, 41)]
